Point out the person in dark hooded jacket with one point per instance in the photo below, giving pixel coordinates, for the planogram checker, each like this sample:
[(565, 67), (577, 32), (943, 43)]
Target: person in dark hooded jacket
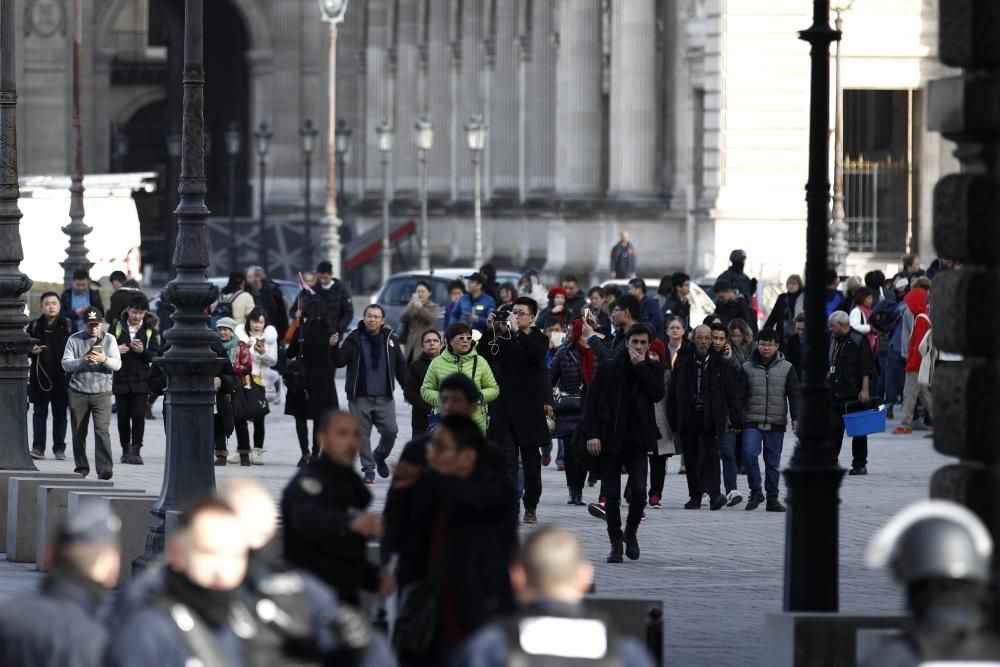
[(138, 345), (735, 276), (730, 306)]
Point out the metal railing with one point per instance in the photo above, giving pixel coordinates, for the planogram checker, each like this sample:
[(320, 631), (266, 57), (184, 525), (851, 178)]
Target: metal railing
[(875, 204)]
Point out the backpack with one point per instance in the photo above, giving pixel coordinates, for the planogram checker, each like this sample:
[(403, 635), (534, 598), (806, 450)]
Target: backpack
[(885, 316), (224, 307)]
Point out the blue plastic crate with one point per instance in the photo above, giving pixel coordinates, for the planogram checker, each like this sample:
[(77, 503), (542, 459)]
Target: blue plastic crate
[(865, 422)]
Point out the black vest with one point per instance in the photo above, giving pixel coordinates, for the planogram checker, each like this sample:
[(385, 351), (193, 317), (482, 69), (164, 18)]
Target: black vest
[(514, 628)]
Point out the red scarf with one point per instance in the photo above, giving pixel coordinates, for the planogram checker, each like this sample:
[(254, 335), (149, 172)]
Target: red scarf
[(588, 362)]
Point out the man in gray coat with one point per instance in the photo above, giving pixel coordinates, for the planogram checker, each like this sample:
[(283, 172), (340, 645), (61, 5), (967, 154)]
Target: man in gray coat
[(772, 395), (91, 359)]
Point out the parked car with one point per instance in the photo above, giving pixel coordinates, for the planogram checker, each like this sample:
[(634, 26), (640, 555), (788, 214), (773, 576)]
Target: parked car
[(398, 290), (701, 304), (289, 291)]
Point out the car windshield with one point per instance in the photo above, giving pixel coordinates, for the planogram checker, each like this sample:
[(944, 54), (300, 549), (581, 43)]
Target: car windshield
[(399, 291)]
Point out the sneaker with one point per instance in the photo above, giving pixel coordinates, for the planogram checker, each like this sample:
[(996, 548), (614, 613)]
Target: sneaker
[(774, 505), (370, 477), (863, 470), (733, 499), (546, 459), (632, 545), (561, 467), (380, 465), (902, 430), (717, 503), (755, 499), (257, 456), (654, 502), (105, 474), (220, 459), (617, 552), (693, 504), (60, 455), (244, 459), (234, 458), (36, 454), (597, 511), (529, 517)]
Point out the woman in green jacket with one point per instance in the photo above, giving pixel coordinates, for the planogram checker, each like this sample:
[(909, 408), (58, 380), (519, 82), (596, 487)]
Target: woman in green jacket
[(460, 356)]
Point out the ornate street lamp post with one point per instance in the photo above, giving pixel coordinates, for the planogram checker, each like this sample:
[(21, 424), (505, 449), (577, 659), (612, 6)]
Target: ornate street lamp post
[(233, 145), (332, 12), (476, 132), (189, 364), (384, 132), (173, 141), (838, 227), (813, 477), (14, 341), (76, 251), (343, 149), (263, 136), (308, 134), (424, 136)]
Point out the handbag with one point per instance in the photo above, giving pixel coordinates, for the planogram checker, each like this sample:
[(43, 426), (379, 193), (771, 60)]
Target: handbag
[(295, 376), (567, 403), (250, 402)]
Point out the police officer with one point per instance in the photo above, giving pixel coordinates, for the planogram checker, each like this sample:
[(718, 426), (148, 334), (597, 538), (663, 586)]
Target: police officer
[(60, 624), (549, 579), (327, 524), (191, 612), (299, 619), (941, 552)]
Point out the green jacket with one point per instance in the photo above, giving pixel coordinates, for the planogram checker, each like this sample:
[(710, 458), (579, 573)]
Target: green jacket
[(447, 364)]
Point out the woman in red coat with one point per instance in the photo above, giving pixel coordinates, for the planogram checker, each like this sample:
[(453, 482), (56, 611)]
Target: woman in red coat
[(916, 301)]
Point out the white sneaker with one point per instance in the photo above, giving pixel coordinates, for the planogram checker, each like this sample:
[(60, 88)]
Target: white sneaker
[(234, 458), (733, 498), (257, 456)]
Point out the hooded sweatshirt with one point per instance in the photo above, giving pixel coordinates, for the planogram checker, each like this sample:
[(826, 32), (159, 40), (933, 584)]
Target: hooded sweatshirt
[(916, 301)]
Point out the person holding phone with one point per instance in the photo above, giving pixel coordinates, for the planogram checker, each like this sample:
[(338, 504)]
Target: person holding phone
[(138, 346), (46, 379), (91, 357)]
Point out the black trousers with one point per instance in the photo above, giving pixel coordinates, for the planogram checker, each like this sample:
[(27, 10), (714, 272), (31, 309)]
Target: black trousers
[(576, 472), (243, 433), (634, 462), (657, 473), (302, 432), (131, 419), (859, 445), (531, 459), (702, 459), (58, 399)]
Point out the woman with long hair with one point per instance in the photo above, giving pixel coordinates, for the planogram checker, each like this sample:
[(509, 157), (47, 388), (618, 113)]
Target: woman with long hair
[(665, 447), (572, 370), (262, 340), (786, 307), (420, 315), (741, 339), (240, 357)]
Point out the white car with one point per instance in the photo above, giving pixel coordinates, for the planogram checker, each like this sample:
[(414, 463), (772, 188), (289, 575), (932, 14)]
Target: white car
[(701, 305)]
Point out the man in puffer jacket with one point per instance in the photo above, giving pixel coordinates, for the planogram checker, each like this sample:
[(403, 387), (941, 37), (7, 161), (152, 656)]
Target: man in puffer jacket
[(916, 301), (773, 394)]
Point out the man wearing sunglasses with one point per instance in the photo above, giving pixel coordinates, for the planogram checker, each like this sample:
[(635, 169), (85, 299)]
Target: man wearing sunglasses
[(516, 350)]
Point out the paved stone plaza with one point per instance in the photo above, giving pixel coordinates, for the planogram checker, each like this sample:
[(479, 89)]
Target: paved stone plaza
[(718, 573)]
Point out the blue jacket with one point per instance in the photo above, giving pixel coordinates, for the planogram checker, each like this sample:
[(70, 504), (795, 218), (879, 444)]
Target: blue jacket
[(651, 313), (481, 307), (66, 301)]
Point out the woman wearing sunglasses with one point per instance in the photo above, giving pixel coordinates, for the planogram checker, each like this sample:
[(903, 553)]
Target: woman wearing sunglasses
[(460, 356)]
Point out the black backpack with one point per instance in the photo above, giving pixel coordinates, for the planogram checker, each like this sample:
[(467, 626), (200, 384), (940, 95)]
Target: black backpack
[(224, 307), (885, 315)]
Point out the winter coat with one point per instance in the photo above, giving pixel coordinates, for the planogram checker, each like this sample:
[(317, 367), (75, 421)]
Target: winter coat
[(724, 388), (928, 360), (782, 317), (772, 391), (851, 359), (415, 322), (619, 405), (859, 319), (470, 364), (916, 301), (674, 306), (120, 300), (623, 260), (416, 371), (53, 378), (270, 298), (351, 355), (665, 445), (651, 313), (312, 345), (740, 281), (66, 300), (566, 375), (481, 307), (575, 305), (795, 352), (525, 389), (262, 363), (737, 309), (133, 376), (336, 299)]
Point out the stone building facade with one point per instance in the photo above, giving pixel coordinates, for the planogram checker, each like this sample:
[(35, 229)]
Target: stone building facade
[(682, 121)]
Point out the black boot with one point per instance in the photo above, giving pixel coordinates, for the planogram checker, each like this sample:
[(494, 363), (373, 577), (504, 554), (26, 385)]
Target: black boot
[(617, 551), (632, 543), (136, 457), (125, 454), (304, 459)]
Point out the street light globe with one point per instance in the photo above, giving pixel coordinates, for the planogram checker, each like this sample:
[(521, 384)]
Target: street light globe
[(263, 136), (342, 136), (385, 136), (476, 131), (233, 140), (308, 133), (333, 11), (424, 133)]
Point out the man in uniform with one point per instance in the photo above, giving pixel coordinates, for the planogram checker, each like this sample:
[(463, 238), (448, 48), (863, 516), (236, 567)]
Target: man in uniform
[(59, 625), (550, 578), (327, 525)]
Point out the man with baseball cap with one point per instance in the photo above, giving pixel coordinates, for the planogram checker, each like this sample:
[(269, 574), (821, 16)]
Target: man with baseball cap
[(91, 359), (474, 306)]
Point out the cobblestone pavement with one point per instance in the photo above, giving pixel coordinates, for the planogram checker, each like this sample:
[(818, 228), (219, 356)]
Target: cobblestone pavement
[(718, 573)]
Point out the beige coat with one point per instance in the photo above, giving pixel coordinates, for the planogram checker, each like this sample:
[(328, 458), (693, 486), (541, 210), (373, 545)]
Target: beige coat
[(665, 445), (417, 320)]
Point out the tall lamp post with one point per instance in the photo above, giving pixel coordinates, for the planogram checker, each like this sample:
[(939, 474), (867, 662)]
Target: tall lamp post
[(173, 141), (813, 477), (343, 149), (424, 136), (332, 11), (384, 132), (14, 341), (263, 136), (308, 134), (838, 226), (233, 145), (189, 363), (76, 251), (476, 132)]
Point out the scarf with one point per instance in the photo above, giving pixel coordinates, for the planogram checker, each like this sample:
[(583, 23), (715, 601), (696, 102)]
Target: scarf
[(211, 606), (872, 335), (588, 362), (374, 343), (231, 347)]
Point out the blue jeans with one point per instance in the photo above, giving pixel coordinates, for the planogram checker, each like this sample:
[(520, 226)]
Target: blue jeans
[(727, 451), (772, 441), (895, 376)]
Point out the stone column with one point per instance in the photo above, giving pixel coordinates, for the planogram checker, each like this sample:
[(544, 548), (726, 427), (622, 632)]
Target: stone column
[(438, 107), (404, 165), (470, 90), (376, 93), (540, 159), (504, 145), (633, 99), (966, 211), (578, 90)]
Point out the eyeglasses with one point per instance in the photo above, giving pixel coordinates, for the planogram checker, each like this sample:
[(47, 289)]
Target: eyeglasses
[(766, 344), (521, 313), (462, 339)]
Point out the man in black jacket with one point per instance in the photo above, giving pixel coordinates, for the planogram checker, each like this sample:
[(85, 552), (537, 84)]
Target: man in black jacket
[(137, 343), (732, 306), (327, 524), (125, 289), (515, 350), (620, 427), (678, 303), (851, 367), (46, 379), (624, 313), (333, 293), (375, 363), (704, 392), (267, 295)]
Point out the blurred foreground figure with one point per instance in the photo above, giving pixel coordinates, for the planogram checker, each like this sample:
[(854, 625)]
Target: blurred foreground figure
[(299, 619), (940, 551), (60, 626), (191, 612), (552, 627)]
